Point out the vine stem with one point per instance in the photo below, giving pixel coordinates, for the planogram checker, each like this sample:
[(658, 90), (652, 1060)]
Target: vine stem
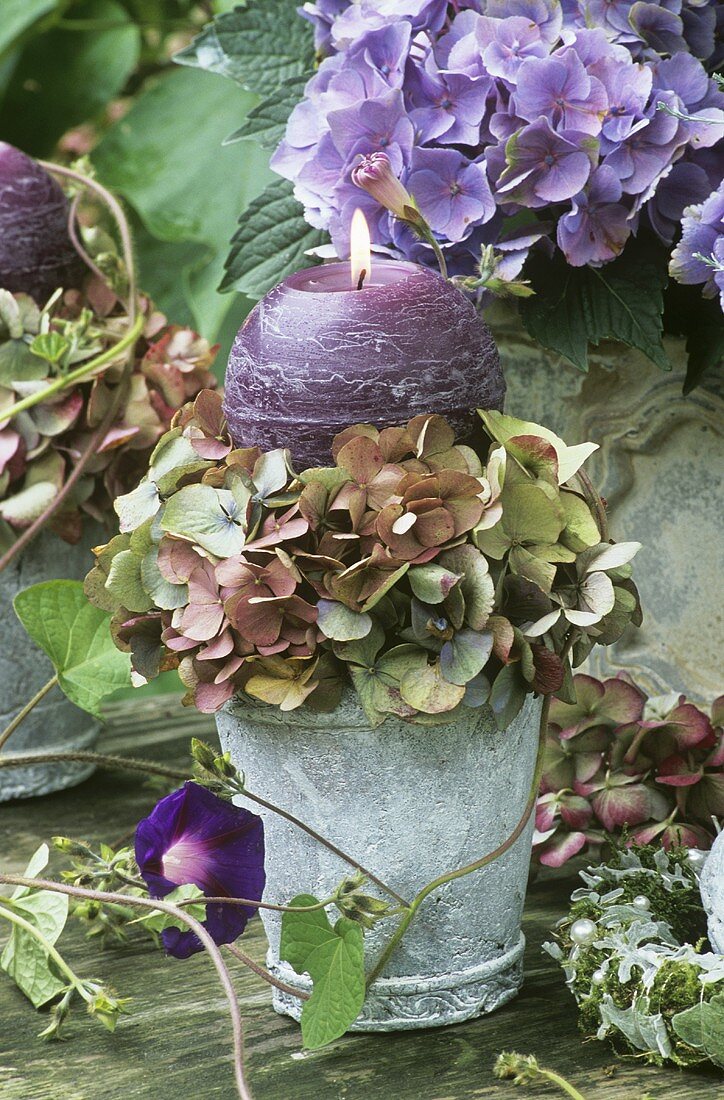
[(174, 911), (9, 914), (263, 973), (255, 904), (563, 1085), (22, 715), (77, 375), (127, 763), (478, 864)]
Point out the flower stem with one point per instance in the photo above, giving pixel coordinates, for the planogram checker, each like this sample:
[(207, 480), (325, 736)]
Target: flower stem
[(429, 236), (256, 904), (563, 1085), (9, 914), (22, 715), (121, 763), (77, 375), (174, 911), (263, 973)]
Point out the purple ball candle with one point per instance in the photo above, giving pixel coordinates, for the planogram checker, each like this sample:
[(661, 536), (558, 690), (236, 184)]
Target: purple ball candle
[(36, 252), (316, 355)]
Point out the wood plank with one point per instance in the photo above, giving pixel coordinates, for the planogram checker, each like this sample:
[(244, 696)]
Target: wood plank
[(176, 1042)]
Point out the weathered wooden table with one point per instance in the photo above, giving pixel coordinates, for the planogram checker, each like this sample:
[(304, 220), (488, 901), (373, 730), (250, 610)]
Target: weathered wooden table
[(176, 1043)]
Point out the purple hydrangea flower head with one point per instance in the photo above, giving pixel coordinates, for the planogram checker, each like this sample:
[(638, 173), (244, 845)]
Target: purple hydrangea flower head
[(648, 153), (544, 167), (374, 125), (687, 184), (192, 836), (369, 15), (597, 226), (695, 258), (511, 42), (322, 16), (448, 107), (546, 14), (452, 192), (560, 89), (385, 52), (628, 87)]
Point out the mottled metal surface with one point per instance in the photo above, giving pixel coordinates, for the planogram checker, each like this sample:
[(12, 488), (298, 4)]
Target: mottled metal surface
[(712, 893), (54, 724), (660, 469), (410, 802), (36, 253), (306, 365)]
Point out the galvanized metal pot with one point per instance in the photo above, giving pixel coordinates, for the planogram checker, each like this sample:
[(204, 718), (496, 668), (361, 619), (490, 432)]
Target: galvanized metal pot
[(410, 802), (54, 725)]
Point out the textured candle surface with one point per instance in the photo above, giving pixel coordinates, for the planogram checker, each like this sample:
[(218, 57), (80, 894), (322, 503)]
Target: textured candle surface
[(36, 253), (308, 362)]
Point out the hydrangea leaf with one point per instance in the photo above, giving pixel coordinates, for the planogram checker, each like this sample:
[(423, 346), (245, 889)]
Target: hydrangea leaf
[(76, 637), (24, 959), (575, 306), (341, 623), (507, 696), (213, 518), (333, 956), (267, 122), (272, 240), (259, 46)]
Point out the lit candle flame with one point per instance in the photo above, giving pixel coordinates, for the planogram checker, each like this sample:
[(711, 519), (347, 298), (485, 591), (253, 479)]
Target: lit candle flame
[(360, 252)]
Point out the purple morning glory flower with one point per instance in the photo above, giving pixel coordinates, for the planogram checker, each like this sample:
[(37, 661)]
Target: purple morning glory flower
[(192, 836), (452, 193), (597, 226), (544, 167), (559, 88), (703, 232)]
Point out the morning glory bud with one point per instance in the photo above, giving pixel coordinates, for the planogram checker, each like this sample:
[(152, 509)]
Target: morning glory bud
[(375, 176), (36, 252)]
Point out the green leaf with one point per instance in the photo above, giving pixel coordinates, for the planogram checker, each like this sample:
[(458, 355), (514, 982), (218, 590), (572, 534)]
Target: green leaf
[(581, 530), (64, 77), (334, 959), (24, 959), (507, 696), (76, 637), (50, 346), (623, 300), (259, 46), (271, 241), (462, 658), (432, 583), (165, 157), (426, 690), (158, 921), (702, 1027), (125, 582), (266, 123), (18, 16), (18, 364)]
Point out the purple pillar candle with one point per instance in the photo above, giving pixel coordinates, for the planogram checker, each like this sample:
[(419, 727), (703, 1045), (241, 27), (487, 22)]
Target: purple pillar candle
[(316, 355), (36, 252)]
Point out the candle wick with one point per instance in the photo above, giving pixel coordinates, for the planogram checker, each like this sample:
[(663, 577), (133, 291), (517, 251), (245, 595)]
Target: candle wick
[(362, 277)]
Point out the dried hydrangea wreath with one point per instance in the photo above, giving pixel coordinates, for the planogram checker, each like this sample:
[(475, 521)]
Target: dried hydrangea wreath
[(636, 958), (427, 579)]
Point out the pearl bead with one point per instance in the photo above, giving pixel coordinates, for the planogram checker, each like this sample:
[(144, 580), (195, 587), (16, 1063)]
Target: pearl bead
[(641, 902), (583, 931), (598, 977)]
